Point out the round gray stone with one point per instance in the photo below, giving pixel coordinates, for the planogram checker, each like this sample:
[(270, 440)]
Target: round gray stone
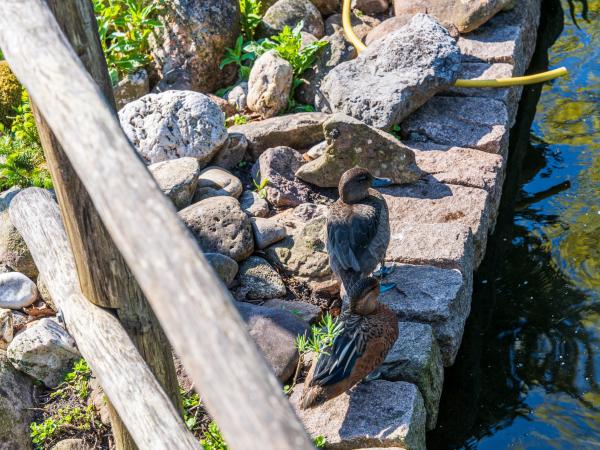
[(16, 291)]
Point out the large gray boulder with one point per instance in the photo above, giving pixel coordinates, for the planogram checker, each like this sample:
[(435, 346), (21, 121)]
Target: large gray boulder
[(45, 351), (299, 131), (395, 75), (274, 332), (174, 124), (16, 406), (220, 226), (192, 42), (16, 290), (352, 143), (290, 13), (373, 414), (177, 178)]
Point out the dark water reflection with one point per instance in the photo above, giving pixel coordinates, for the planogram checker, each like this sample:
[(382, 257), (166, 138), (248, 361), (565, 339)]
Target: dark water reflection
[(528, 372)]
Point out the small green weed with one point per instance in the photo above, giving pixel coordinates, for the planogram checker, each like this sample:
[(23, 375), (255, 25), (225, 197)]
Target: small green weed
[(213, 439), (260, 188), (250, 17), (320, 441), (322, 336), (191, 409), (236, 119)]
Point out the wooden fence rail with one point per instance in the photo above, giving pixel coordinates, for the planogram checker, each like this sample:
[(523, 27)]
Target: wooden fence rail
[(194, 308), (136, 395)]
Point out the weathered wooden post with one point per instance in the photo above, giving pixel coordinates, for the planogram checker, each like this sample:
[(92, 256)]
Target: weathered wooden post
[(195, 309), (103, 274)]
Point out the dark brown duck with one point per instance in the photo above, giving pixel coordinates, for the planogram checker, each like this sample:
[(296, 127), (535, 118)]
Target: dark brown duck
[(358, 230), (369, 329)]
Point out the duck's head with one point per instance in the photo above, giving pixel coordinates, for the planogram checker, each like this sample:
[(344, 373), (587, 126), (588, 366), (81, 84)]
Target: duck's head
[(363, 296), (354, 185)]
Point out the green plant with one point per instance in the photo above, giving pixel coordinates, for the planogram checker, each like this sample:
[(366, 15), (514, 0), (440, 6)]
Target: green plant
[(288, 44), (320, 441), (238, 55), (236, 119), (260, 188), (250, 17), (73, 419), (68, 411), (191, 409), (21, 157), (213, 439), (75, 382), (322, 336), (124, 27)]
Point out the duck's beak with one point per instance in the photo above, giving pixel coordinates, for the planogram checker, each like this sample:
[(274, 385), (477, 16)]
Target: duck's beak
[(381, 182)]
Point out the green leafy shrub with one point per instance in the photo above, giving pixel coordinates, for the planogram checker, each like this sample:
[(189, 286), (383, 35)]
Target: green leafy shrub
[(21, 157), (124, 27), (10, 94), (288, 44)]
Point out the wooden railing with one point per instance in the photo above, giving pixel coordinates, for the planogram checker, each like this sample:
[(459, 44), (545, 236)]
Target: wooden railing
[(122, 248)]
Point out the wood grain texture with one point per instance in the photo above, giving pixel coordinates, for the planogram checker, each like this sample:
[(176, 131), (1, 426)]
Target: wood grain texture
[(127, 381), (194, 307), (104, 276)]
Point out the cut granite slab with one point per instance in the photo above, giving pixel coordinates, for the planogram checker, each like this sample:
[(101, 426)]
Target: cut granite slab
[(373, 414), (489, 71), (446, 245), (435, 296), (416, 358), (473, 122), (508, 37), (464, 167), (429, 201)]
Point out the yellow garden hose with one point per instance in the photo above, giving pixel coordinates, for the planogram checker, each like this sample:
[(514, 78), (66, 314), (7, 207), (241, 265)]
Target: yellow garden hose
[(495, 83)]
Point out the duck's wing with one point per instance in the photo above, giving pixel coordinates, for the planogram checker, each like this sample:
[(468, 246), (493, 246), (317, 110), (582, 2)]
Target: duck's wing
[(337, 364), (349, 234)]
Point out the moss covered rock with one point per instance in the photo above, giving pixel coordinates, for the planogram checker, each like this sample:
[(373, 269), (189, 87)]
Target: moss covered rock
[(10, 93)]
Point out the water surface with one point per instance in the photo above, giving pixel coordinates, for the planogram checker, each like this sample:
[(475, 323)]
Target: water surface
[(528, 372)]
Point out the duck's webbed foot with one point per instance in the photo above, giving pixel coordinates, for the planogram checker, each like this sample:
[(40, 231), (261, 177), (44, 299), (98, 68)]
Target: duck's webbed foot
[(383, 272)]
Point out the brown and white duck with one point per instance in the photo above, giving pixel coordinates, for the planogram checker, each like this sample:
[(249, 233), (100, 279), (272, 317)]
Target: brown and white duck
[(369, 330), (358, 229)]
